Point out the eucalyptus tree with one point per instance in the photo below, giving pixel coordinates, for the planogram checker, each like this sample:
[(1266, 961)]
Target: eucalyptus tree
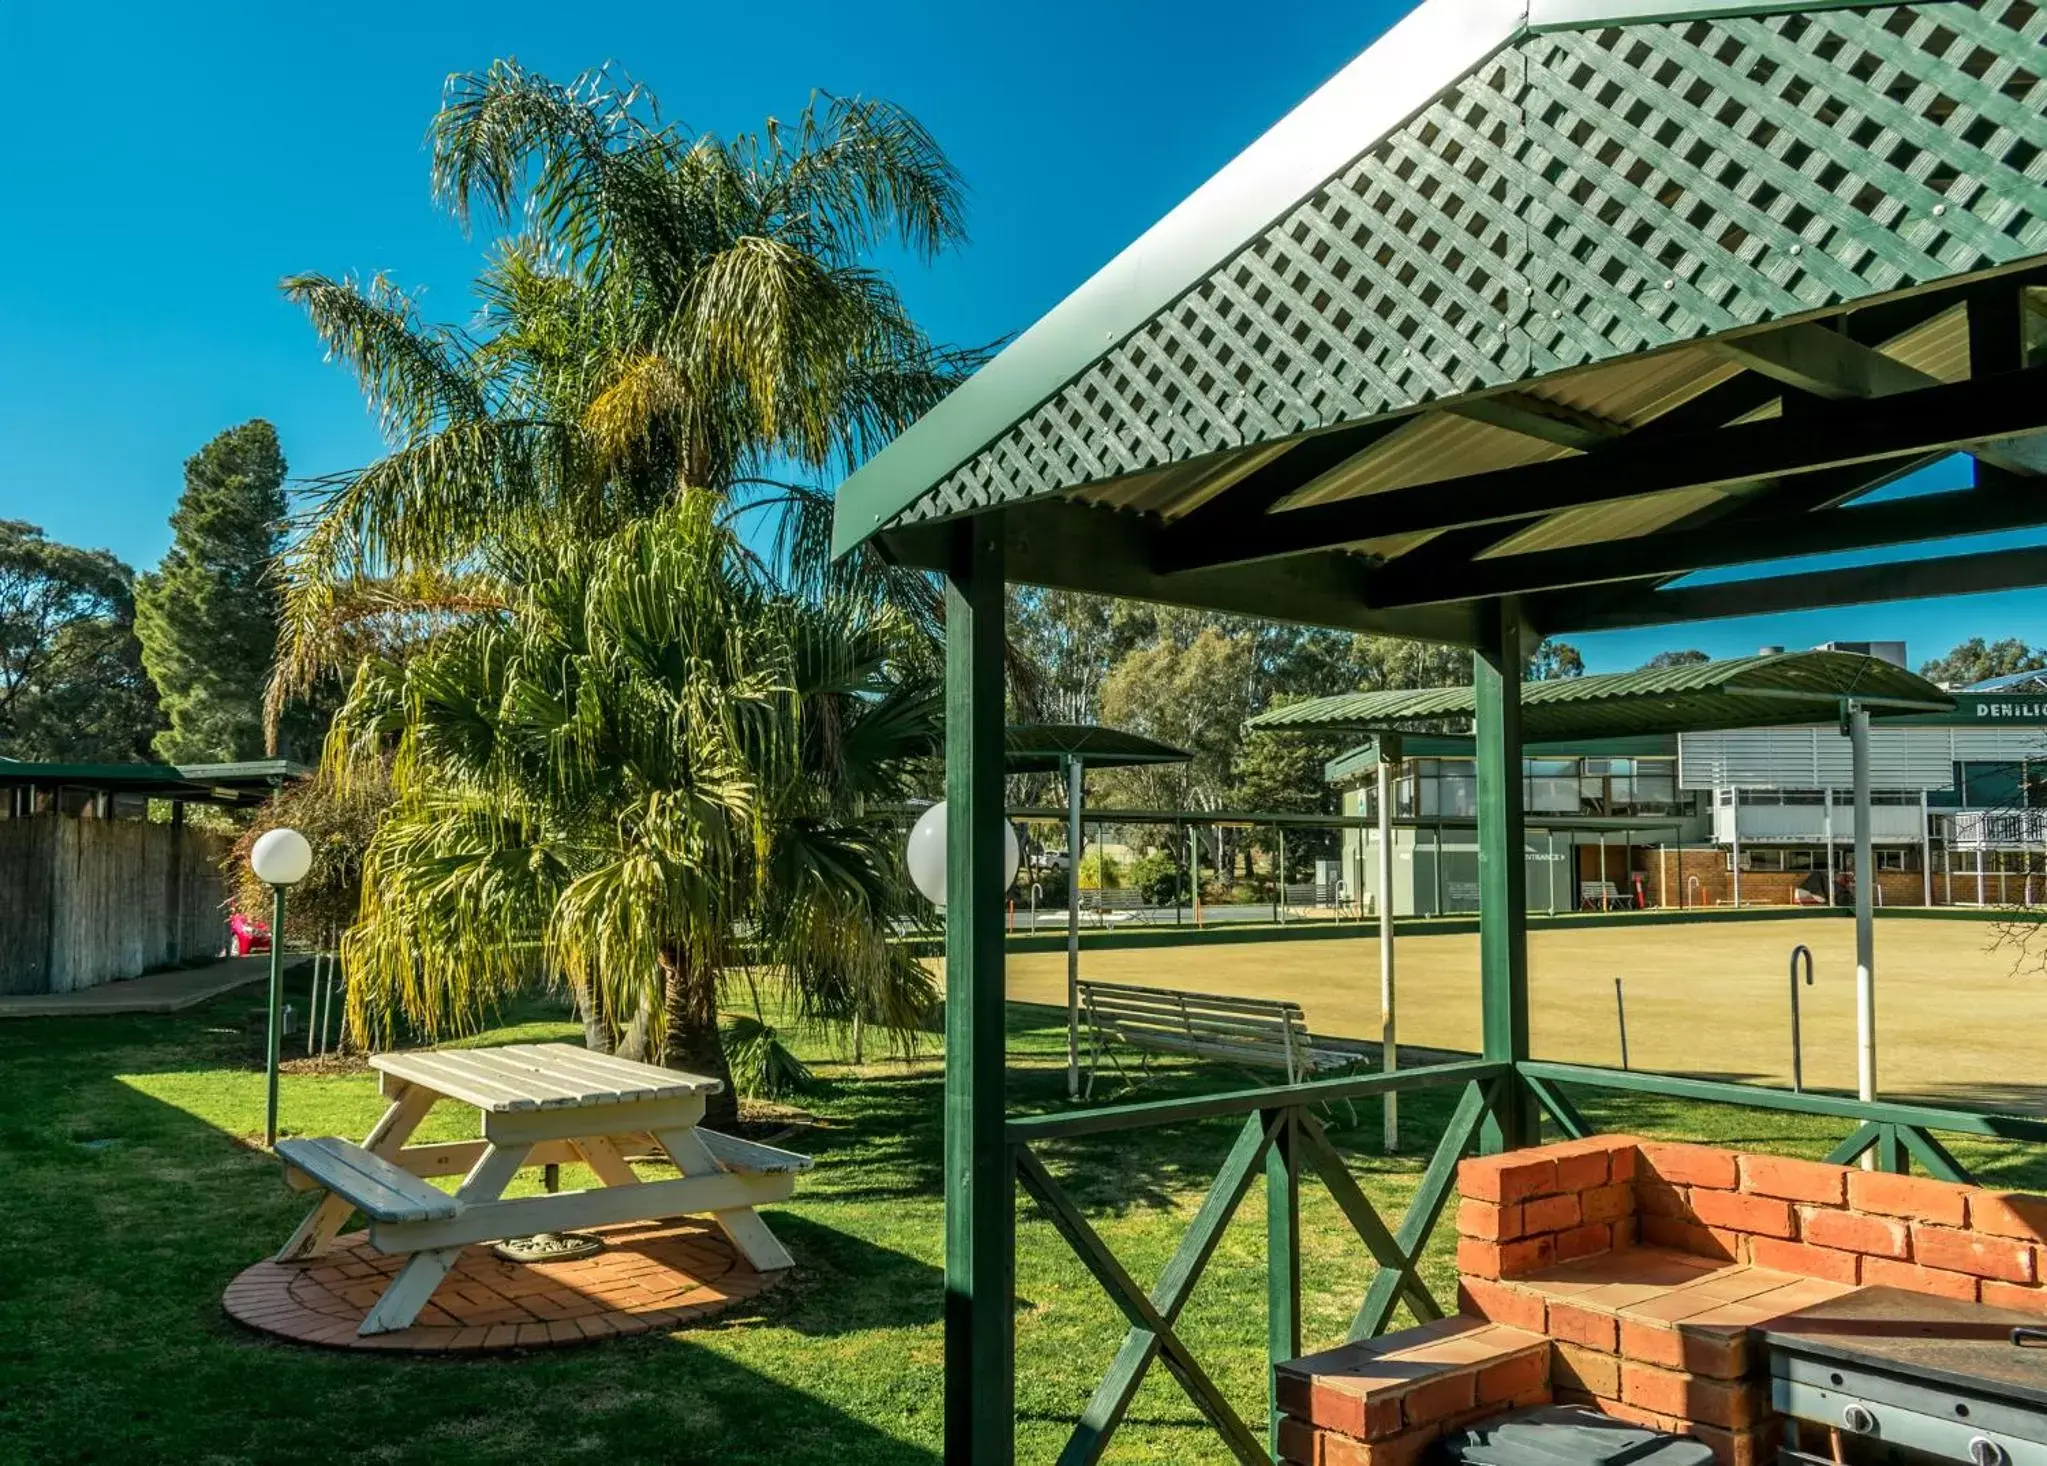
[(653, 770), (661, 310)]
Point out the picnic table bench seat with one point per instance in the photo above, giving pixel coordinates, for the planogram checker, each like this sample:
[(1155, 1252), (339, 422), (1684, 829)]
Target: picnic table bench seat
[(374, 1186), (751, 1157)]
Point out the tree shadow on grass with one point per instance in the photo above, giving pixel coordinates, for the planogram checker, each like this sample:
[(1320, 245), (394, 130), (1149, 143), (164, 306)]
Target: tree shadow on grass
[(137, 1191)]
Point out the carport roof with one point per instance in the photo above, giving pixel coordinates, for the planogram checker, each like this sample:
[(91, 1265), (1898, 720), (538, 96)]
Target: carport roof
[(248, 782), (1041, 748)]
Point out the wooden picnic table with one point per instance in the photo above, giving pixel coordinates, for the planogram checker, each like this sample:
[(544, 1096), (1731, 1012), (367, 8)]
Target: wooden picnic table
[(541, 1104)]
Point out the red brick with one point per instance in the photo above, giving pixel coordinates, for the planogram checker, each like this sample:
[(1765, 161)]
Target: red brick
[(1498, 1303), (1623, 1233), (2008, 1214), (1794, 1180), (1575, 1325), (1636, 1415), (1966, 1252), (1607, 1203), (1512, 1377), (1576, 1368), (1853, 1232), (1809, 1262), (1525, 1256), (1434, 1400), (1487, 1222), (1752, 1447), (1623, 1162), (1689, 1236), (1882, 1272), (1585, 1241), (1481, 1259), (1549, 1214), (2010, 1295), (1673, 1392), (1514, 1176), (1917, 1197), (1582, 1172), (1691, 1165), (1717, 1353), (1658, 1198), (1739, 1212), (1323, 1403)]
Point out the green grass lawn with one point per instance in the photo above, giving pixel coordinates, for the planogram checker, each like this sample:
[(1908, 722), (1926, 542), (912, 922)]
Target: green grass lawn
[(135, 1188)]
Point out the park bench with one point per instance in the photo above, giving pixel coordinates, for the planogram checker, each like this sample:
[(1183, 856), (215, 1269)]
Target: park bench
[(1256, 1033), (1603, 896)]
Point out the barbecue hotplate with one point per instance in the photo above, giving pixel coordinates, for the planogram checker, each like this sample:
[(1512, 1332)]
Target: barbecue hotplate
[(1958, 1380)]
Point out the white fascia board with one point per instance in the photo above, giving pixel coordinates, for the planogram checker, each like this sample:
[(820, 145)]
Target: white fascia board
[(1426, 53), (1568, 15)]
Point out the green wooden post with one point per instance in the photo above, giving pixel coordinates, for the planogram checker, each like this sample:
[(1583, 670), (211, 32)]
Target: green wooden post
[(1503, 877), (980, 1208), (1282, 1263)]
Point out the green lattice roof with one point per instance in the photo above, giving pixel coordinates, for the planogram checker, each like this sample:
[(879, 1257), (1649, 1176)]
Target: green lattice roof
[(1784, 689), (1507, 241)]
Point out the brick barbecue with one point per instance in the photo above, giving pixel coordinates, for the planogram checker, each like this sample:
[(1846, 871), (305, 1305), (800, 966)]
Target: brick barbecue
[(1640, 1274)]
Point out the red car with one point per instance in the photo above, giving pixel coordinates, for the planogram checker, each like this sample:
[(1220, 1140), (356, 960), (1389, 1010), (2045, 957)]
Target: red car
[(246, 935)]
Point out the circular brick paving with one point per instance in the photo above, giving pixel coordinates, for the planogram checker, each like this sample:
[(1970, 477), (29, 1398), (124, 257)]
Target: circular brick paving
[(650, 1275)]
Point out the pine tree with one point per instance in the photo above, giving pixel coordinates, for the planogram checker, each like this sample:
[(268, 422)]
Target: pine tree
[(207, 616)]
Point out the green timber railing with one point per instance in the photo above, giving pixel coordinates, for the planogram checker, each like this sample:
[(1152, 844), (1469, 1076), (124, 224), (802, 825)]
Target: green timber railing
[(1900, 1134), (1281, 1137)]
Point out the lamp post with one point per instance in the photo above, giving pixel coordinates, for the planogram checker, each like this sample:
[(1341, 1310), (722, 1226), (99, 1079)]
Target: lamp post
[(280, 860)]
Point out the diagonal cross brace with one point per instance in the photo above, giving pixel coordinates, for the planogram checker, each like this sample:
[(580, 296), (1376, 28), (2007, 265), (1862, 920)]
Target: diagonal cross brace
[(1146, 1317), (1364, 1220), (1420, 1222)]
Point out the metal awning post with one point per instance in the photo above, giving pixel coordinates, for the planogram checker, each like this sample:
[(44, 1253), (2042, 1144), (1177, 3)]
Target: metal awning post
[(1075, 779), (1389, 1044), (980, 1207), (1857, 718)]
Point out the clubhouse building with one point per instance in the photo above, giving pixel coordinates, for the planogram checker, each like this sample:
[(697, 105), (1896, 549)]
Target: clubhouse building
[(1746, 816)]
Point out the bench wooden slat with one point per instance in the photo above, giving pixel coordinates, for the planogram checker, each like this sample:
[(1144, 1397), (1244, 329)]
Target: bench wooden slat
[(750, 1157), (374, 1186)]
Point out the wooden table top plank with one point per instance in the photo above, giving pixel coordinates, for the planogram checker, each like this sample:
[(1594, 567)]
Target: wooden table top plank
[(519, 1077), (428, 1069), (631, 1074), (597, 1076), (530, 1080)]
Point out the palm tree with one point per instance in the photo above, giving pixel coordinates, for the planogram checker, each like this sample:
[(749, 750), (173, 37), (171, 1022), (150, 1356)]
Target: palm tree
[(663, 311), (654, 769)]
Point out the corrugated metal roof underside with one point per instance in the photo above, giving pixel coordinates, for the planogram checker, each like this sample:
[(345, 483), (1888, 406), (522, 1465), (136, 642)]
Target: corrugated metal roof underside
[(1740, 692)]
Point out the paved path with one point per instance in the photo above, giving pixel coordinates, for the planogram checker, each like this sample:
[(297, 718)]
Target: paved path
[(159, 992)]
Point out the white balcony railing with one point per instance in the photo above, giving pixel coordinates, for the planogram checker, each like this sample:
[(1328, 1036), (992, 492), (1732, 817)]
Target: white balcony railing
[(1997, 829)]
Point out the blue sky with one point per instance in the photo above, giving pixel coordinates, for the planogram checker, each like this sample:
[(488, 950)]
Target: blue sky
[(165, 165)]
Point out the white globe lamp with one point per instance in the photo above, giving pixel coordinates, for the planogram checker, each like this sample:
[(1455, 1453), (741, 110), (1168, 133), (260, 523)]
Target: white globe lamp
[(280, 858), (926, 854)]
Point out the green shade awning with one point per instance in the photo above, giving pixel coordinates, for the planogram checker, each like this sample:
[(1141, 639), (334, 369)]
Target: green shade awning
[(1044, 748), (1783, 689)]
